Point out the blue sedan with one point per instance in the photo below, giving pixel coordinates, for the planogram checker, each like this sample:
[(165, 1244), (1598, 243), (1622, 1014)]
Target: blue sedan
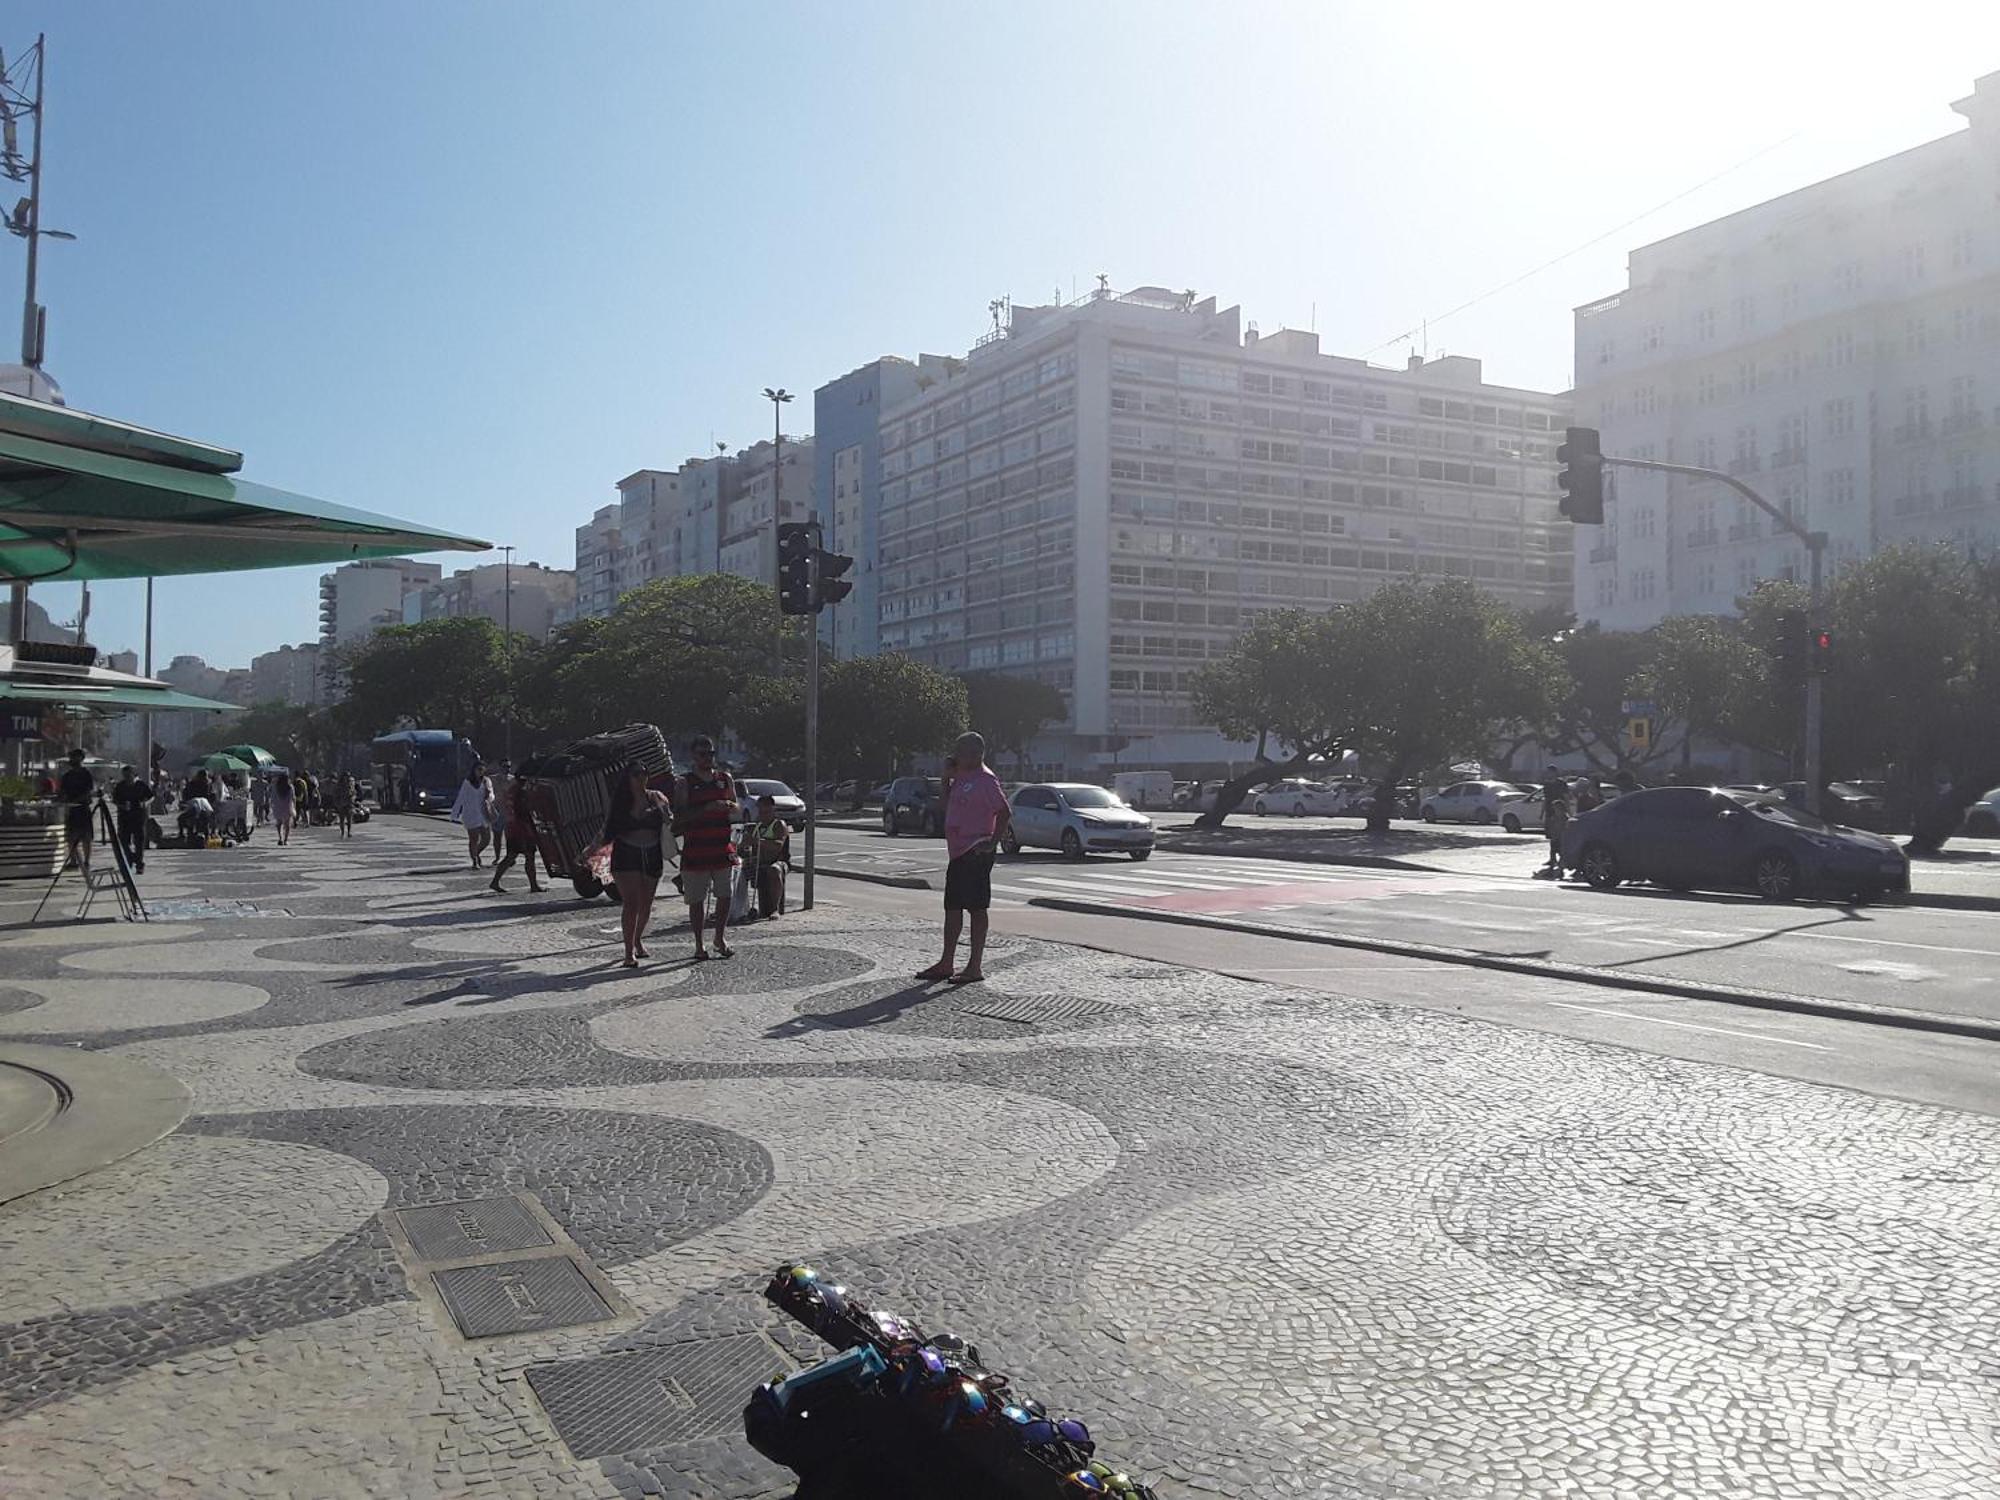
[(1687, 838)]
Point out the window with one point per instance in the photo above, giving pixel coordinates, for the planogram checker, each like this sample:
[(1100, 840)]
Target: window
[(1644, 399), (1840, 347), (1847, 277), (1746, 313), (1704, 325), (1916, 334), (1654, 335), (1839, 416), (1913, 263), (1839, 486), (1707, 389), (1961, 249)]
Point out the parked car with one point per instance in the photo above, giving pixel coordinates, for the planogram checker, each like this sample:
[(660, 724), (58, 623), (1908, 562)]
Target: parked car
[(790, 805), (914, 804), (1300, 798), (1078, 820), (1469, 801), (1982, 819), (1523, 813), (1846, 802), (1196, 796), (1690, 837)]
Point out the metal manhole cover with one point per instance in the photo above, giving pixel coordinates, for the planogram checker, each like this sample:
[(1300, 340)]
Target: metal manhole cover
[(653, 1398), (520, 1296), (1028, 1009), (481, 1226)]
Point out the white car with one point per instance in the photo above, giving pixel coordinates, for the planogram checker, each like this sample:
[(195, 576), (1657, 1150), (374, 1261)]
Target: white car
[(1523, 813), (1077, 819), (1982, 819), (1469, 801), (1299, 798)]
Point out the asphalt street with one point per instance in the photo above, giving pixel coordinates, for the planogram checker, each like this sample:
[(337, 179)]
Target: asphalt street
[(1937, 961)]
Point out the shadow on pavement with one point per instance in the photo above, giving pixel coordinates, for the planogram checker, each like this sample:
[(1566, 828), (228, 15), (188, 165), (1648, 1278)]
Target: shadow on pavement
[(870, 1013)]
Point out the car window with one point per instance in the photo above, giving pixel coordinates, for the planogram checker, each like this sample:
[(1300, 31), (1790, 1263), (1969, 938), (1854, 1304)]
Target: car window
[(1684, 804), (1090, 796), (1784, 812)]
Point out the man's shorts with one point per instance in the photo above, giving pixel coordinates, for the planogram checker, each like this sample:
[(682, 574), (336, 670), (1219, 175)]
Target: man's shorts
[(968, 881), (696, 885), (76, 824)]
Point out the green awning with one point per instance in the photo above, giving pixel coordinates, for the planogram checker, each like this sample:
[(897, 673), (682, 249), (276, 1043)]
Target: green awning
[(71, 511), (111, 699)]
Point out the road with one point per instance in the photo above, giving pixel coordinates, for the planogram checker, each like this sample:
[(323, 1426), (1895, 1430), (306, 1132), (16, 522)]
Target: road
[(1944, 962)]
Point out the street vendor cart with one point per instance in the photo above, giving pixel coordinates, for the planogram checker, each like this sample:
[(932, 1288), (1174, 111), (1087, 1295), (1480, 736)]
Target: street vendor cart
[(567, 793)]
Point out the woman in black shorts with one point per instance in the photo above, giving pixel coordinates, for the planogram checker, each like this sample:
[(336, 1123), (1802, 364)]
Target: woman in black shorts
[(636, 829)]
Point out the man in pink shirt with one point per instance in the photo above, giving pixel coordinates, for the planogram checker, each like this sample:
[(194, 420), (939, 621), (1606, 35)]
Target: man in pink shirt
[(975, 818)]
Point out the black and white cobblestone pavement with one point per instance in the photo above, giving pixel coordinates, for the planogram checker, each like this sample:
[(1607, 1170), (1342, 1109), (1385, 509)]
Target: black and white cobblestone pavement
[(1266, 1243)]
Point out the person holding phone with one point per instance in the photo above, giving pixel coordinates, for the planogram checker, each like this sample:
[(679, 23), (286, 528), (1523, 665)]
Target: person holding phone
[(975, 820)]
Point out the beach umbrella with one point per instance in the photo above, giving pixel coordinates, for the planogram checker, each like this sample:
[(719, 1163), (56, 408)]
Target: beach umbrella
[(224, 764)]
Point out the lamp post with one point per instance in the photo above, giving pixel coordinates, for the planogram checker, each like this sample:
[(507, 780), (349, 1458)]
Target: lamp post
[(507, 636), (778, 396)]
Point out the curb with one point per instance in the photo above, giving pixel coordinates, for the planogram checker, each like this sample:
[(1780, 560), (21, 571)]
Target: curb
[(1911, 1020), (901, 882), (1934, 900)]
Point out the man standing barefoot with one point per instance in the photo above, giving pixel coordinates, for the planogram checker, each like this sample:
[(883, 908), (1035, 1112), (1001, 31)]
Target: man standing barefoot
[(975, 818)]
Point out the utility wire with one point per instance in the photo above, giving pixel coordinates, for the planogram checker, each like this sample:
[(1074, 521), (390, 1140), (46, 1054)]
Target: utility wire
[(1616, 229)]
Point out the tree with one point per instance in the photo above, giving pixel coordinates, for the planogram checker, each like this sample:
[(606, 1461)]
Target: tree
[(1590, 719), (1710, 678), (1406, 678), (1010, 711), (442, 674), (875, 712)]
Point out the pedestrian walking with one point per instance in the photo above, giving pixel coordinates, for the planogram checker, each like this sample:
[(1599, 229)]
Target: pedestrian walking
[(474, 809), (1555, 818), (131, 796), (284, 805), (635, 826), (520, 830), (76, 788), (975, 820), (705, 814), (260, 799)]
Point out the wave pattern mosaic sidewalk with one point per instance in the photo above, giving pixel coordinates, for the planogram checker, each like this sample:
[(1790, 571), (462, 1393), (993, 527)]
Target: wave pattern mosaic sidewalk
[(1267, 1243)]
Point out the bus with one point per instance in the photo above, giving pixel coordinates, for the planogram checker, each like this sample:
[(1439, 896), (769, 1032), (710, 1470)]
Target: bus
[(418, 770)]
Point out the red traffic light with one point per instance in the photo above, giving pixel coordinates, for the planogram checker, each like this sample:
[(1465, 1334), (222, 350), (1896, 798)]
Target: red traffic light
[(1822, 640)]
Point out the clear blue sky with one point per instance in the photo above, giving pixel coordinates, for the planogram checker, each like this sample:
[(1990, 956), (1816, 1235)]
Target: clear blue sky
[(470, 263)]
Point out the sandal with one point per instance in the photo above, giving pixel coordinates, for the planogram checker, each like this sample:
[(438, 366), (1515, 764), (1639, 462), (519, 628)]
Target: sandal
[(723, 950), (968, 977)]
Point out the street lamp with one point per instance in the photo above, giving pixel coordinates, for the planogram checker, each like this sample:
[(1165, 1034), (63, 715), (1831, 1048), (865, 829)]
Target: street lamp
[(777, 396), (507, 635)]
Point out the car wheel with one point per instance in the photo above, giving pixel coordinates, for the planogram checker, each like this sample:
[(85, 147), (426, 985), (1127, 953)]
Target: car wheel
[(587, 886), (1429, 814), (1260, 808), (1009, 844), (889, 824), (1983, 825), (1776, 876), (1482, 815), (1599, 867), (1863, 896), (613, 895), (1072, 845), (1511, 823), (1139, 854)]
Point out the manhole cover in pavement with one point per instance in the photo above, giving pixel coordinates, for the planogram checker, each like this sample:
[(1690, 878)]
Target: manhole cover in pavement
[(653, 1398), (1028, 1009), (519, 1296), (482, 1226)]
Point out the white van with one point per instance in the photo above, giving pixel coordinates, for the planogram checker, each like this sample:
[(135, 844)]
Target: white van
[(1144, 789)]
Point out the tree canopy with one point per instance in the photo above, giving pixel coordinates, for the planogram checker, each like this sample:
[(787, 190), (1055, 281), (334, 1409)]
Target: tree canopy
[(1010, 711)]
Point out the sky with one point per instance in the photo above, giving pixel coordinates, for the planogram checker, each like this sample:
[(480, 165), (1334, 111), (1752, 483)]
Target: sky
[(471, 263)]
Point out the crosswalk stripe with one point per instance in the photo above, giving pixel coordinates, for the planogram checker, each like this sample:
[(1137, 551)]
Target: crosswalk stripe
[(1091, 887)]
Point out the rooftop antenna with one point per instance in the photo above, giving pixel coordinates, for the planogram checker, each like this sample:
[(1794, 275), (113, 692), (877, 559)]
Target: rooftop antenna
[(1103, 284), (997, 307)]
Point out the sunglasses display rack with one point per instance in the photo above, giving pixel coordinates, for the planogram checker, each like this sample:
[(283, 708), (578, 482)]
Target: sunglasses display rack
[(899, 1412)]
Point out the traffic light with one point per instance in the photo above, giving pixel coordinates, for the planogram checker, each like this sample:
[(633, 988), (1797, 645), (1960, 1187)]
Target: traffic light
[(1581, 476), (795, 560), (1820, 649), (828, 587), (1788, 647)]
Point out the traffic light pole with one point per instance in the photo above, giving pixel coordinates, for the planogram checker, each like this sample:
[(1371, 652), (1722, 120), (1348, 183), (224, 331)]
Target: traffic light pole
[(812, 740), (1815, 542)]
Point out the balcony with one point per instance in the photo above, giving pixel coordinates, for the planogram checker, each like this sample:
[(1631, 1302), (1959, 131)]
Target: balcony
[(1604, 552), (1961, 421), (1744, 530), (1707, 536), (1787, 456), (1913, 432), (1745, 463), (1961, 496)]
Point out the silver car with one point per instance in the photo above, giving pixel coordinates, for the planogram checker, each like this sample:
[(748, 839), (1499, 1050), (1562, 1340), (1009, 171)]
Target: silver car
[(1078, 820)]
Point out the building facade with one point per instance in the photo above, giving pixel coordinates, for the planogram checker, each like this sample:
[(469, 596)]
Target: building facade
[(847, 483), (1102, 495), (289, 674), (358, 598), (711, 515), (526, 597), (1838, 349)]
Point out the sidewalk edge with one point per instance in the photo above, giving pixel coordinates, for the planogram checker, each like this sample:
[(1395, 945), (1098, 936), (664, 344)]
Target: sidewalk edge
[(1910, 1020), (901, 882)]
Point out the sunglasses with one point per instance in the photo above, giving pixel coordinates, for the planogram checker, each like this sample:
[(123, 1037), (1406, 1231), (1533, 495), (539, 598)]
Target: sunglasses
[(1119, 1484), (968, 1401), (1039, 1431)]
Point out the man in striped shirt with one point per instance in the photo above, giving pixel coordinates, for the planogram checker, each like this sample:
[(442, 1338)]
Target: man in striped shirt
[(705, 814)]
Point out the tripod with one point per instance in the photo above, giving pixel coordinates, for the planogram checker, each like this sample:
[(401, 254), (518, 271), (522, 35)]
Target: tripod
[(115, 877)]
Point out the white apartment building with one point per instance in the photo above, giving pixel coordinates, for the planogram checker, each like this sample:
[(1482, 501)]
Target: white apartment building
[(526, 597), (1838, 349), (711, 515), (1103, 494), (358, 598)]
